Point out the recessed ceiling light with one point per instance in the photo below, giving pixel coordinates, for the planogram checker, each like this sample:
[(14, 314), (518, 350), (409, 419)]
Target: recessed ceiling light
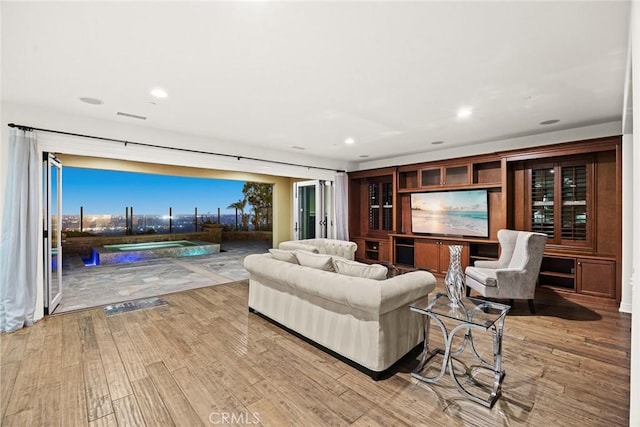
[(349, 141), (158, 92), (92, 101), (464, 112), (437, 142), (549, 122)]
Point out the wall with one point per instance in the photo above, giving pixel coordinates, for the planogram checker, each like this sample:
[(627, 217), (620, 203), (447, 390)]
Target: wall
[(121, 129), (634, 396), (108, 154), (548, 138)]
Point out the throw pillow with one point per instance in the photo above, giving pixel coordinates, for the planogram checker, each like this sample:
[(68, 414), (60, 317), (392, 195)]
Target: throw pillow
[(281, 255), (319, 261), (358, 269)]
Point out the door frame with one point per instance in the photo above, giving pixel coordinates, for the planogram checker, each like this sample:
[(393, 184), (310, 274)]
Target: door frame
[(324, 208), (52, 233)]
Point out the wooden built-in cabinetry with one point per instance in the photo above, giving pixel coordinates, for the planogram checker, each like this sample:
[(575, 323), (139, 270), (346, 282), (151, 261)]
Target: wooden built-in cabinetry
[(483, 251), (473, 172), (433, 254), (595, 276), (373, 215), (372, 249), (569, 191)]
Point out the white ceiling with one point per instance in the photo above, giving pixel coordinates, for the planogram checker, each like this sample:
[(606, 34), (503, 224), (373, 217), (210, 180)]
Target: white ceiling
[(275, 75)]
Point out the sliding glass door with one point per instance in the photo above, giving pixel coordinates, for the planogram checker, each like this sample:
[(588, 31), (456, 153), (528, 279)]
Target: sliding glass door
[(313, 210), (52, 204)]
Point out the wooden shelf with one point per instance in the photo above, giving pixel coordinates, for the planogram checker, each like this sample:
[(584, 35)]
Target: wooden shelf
[(408, 180), (487, 173), (482, 258), (556, 274)]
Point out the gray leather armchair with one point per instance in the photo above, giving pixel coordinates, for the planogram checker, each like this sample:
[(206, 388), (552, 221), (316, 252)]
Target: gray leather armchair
[(515, 273)]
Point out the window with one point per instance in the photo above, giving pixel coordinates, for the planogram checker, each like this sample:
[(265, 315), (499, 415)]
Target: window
[(542, 192), (560, 201)]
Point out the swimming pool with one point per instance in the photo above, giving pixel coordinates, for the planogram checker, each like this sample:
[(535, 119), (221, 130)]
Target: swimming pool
[(132, 252)]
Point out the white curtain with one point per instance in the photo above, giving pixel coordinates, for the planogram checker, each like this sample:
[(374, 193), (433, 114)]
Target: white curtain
[(342, 206), (19, 239)]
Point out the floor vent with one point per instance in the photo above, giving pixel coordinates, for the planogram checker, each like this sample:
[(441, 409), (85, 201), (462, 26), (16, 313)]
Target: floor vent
[(128, 306)]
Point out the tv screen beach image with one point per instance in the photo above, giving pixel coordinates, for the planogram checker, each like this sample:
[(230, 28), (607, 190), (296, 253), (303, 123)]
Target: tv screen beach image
[(458, 213)]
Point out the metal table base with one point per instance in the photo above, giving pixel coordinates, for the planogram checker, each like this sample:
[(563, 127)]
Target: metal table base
[(466, 324)]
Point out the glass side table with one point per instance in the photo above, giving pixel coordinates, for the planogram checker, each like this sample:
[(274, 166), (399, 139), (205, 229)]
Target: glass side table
[(471, 313)]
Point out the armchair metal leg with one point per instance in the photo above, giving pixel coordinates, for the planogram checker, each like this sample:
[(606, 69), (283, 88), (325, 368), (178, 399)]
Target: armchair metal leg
[(532, 308)]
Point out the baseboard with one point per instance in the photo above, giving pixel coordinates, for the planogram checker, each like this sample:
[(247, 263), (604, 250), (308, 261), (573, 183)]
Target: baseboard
[(375, 375), (626, 308)]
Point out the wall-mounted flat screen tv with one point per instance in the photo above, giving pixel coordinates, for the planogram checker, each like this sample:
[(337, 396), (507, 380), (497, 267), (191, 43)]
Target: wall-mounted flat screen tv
[(451, 213)]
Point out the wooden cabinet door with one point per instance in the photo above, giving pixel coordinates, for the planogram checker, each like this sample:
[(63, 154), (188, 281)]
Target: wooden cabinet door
[(385, 253), (431, 177), (456, 175), (427, 254), (596, 277), (452, 175)]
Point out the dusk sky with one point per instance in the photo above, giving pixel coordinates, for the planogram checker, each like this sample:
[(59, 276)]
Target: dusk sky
[(109, 192)]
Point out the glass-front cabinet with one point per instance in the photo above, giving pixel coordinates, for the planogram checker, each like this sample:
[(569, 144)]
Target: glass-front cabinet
[(445, 176), (561, 202), (574, 203), (380, 205)]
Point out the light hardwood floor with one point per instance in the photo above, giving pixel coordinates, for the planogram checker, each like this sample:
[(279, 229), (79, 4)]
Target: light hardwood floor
[(204, 360)]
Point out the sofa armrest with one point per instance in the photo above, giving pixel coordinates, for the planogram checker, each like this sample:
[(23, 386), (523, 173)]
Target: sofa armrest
[(521, 285), (405, 289), (342, 248), (509, 275), (487, 264), (334, 247)]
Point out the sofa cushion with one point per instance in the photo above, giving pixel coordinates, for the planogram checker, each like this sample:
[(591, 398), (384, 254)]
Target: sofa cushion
[(358, 269), (318, 261), (288, 256), (294, 245)]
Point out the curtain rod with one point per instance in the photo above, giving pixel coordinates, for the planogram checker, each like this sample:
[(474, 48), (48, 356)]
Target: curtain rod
[(144, 144)]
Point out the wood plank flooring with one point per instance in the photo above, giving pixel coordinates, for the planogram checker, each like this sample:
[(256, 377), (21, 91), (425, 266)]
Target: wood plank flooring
[(204, 360)]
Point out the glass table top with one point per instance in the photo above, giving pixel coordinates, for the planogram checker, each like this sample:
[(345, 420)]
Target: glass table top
[(470, 310)]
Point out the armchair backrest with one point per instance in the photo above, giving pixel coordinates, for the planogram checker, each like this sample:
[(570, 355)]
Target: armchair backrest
[(522, 250), (507, 239)]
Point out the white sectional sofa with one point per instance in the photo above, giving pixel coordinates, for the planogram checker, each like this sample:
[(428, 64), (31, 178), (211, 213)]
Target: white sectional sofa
[(365, 322), (341, 248)]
